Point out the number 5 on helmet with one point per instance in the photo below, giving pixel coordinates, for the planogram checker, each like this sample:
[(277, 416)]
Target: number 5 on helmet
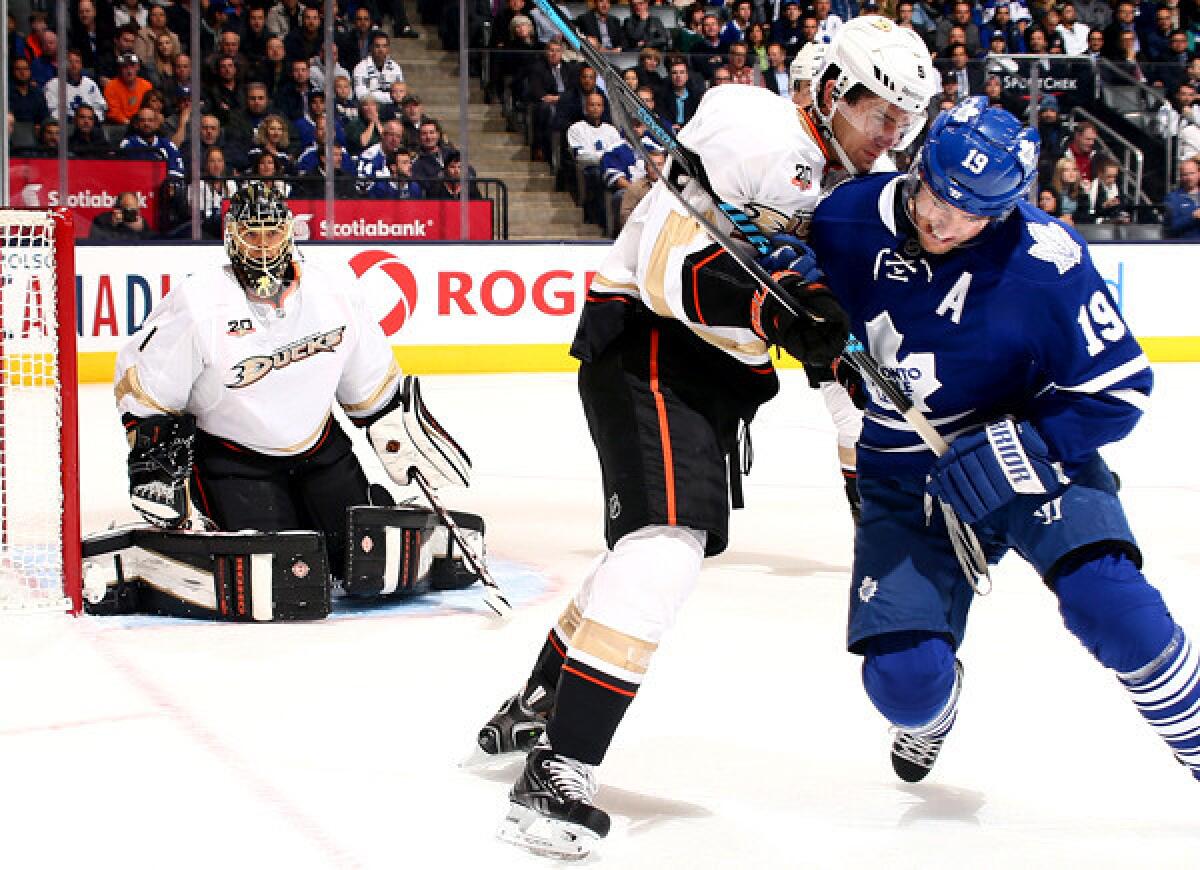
[(409, 437)]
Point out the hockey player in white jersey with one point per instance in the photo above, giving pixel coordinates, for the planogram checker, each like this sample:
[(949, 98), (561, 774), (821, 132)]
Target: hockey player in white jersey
[(227, 392), (674, 343)]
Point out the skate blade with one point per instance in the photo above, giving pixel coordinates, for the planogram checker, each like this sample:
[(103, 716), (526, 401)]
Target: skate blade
[(547, 838), (477, 759)]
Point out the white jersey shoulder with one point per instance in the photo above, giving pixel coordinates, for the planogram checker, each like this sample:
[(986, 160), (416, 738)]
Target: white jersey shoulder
[(758, 150), (761, 155), (265, 381)]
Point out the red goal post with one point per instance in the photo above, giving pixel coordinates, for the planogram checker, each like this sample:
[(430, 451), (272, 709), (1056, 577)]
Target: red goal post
[(40, 562)]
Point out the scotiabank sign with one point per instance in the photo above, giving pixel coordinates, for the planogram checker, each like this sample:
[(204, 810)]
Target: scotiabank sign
[(391, 220), (92, 186), (490, 294)]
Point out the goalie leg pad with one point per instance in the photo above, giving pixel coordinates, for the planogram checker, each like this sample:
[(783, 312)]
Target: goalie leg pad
[(226, 576), (389, 550), (450, 569)]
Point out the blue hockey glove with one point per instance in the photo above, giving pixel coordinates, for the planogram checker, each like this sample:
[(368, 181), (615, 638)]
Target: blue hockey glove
[(791, 254), (984, 471)]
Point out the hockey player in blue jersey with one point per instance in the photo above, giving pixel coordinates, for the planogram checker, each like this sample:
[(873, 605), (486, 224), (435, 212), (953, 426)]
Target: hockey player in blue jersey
[(993, 319)]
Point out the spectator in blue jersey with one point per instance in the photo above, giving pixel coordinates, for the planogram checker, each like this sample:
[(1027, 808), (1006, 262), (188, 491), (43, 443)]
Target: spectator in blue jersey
[(310, 165), (401, 168), (306, 125), (44, 67), (587, 141), (621, 165), (1003, 26), (740, 17), (1027, 368), (788, 30), (145, 142), (373, 173), (1183, 203)]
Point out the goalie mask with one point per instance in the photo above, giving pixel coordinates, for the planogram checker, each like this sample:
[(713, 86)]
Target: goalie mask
[(259, 240)]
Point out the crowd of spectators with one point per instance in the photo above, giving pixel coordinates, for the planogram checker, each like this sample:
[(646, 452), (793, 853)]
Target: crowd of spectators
[(263, 93), (261, 106), (673, 55)]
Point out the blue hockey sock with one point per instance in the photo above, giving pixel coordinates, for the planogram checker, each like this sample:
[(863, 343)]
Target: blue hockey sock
[(1167, 693)]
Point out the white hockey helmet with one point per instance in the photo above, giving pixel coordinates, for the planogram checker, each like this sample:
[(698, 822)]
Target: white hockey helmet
[(890, 61), (808, 60)]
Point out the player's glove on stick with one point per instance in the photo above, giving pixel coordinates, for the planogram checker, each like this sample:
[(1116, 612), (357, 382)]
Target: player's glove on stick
[(160, 460), (984, 471), (409, 437), (791, 254), (816, 335), (844, 373)]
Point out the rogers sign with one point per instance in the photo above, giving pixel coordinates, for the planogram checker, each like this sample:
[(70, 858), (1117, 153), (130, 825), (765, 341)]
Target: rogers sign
[(501, 292)]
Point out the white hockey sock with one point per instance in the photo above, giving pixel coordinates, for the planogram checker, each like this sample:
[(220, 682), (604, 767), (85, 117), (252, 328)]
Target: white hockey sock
[(941, 724), (1167, 693)]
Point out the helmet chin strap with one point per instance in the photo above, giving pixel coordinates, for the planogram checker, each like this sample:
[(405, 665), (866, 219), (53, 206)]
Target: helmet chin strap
[(830, 139)]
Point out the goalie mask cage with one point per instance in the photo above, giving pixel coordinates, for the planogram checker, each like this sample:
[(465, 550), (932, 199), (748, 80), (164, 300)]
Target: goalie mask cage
[(40, 563)]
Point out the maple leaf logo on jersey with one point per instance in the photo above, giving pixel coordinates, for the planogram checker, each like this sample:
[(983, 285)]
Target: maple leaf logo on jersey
[(1054, 245), (914, 373)]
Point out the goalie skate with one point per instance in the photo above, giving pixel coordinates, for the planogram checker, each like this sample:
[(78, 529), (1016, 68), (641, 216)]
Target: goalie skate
[(518, 724), (550, 811)]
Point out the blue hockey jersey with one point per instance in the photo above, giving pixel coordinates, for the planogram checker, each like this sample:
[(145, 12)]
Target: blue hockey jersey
[(1018, 322)]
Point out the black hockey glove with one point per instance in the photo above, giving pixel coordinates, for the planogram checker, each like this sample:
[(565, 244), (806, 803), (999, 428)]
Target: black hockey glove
[(160, 460), (843, 372), (817, 335)]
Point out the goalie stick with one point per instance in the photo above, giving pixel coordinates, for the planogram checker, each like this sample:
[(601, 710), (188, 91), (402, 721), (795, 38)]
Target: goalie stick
[(492, 596), (626, 103)]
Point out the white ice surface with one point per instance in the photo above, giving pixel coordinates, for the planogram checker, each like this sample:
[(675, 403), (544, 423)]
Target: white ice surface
[(173, 744)]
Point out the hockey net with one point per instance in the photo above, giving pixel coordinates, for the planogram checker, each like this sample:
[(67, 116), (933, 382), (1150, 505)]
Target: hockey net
[(39, 468)]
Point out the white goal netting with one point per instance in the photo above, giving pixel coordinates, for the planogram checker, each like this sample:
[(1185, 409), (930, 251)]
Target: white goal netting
[(32, 461)]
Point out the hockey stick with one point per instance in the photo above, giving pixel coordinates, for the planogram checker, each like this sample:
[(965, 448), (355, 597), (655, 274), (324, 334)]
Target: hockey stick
[(492, 596), (627, 103)]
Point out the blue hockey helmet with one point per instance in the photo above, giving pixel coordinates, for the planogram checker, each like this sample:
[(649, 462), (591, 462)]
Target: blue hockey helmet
[(979, 159)]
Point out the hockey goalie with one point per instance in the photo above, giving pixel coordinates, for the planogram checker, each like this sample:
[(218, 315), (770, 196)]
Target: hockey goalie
[(227, 394)]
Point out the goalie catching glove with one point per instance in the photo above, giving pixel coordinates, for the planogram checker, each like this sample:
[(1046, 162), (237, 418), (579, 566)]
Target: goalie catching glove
[(817, 332), (160, 460), (408, 437)]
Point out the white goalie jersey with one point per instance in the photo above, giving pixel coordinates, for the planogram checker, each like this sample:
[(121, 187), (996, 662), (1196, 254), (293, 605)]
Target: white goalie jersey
[(263, 379), (760, 153)]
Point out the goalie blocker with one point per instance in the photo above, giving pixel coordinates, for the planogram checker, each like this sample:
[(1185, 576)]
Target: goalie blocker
[(272, 576)]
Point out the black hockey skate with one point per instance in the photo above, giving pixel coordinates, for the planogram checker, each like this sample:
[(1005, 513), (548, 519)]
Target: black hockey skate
[(914, 752), (519, 722), (913, 756), (551, 811)]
